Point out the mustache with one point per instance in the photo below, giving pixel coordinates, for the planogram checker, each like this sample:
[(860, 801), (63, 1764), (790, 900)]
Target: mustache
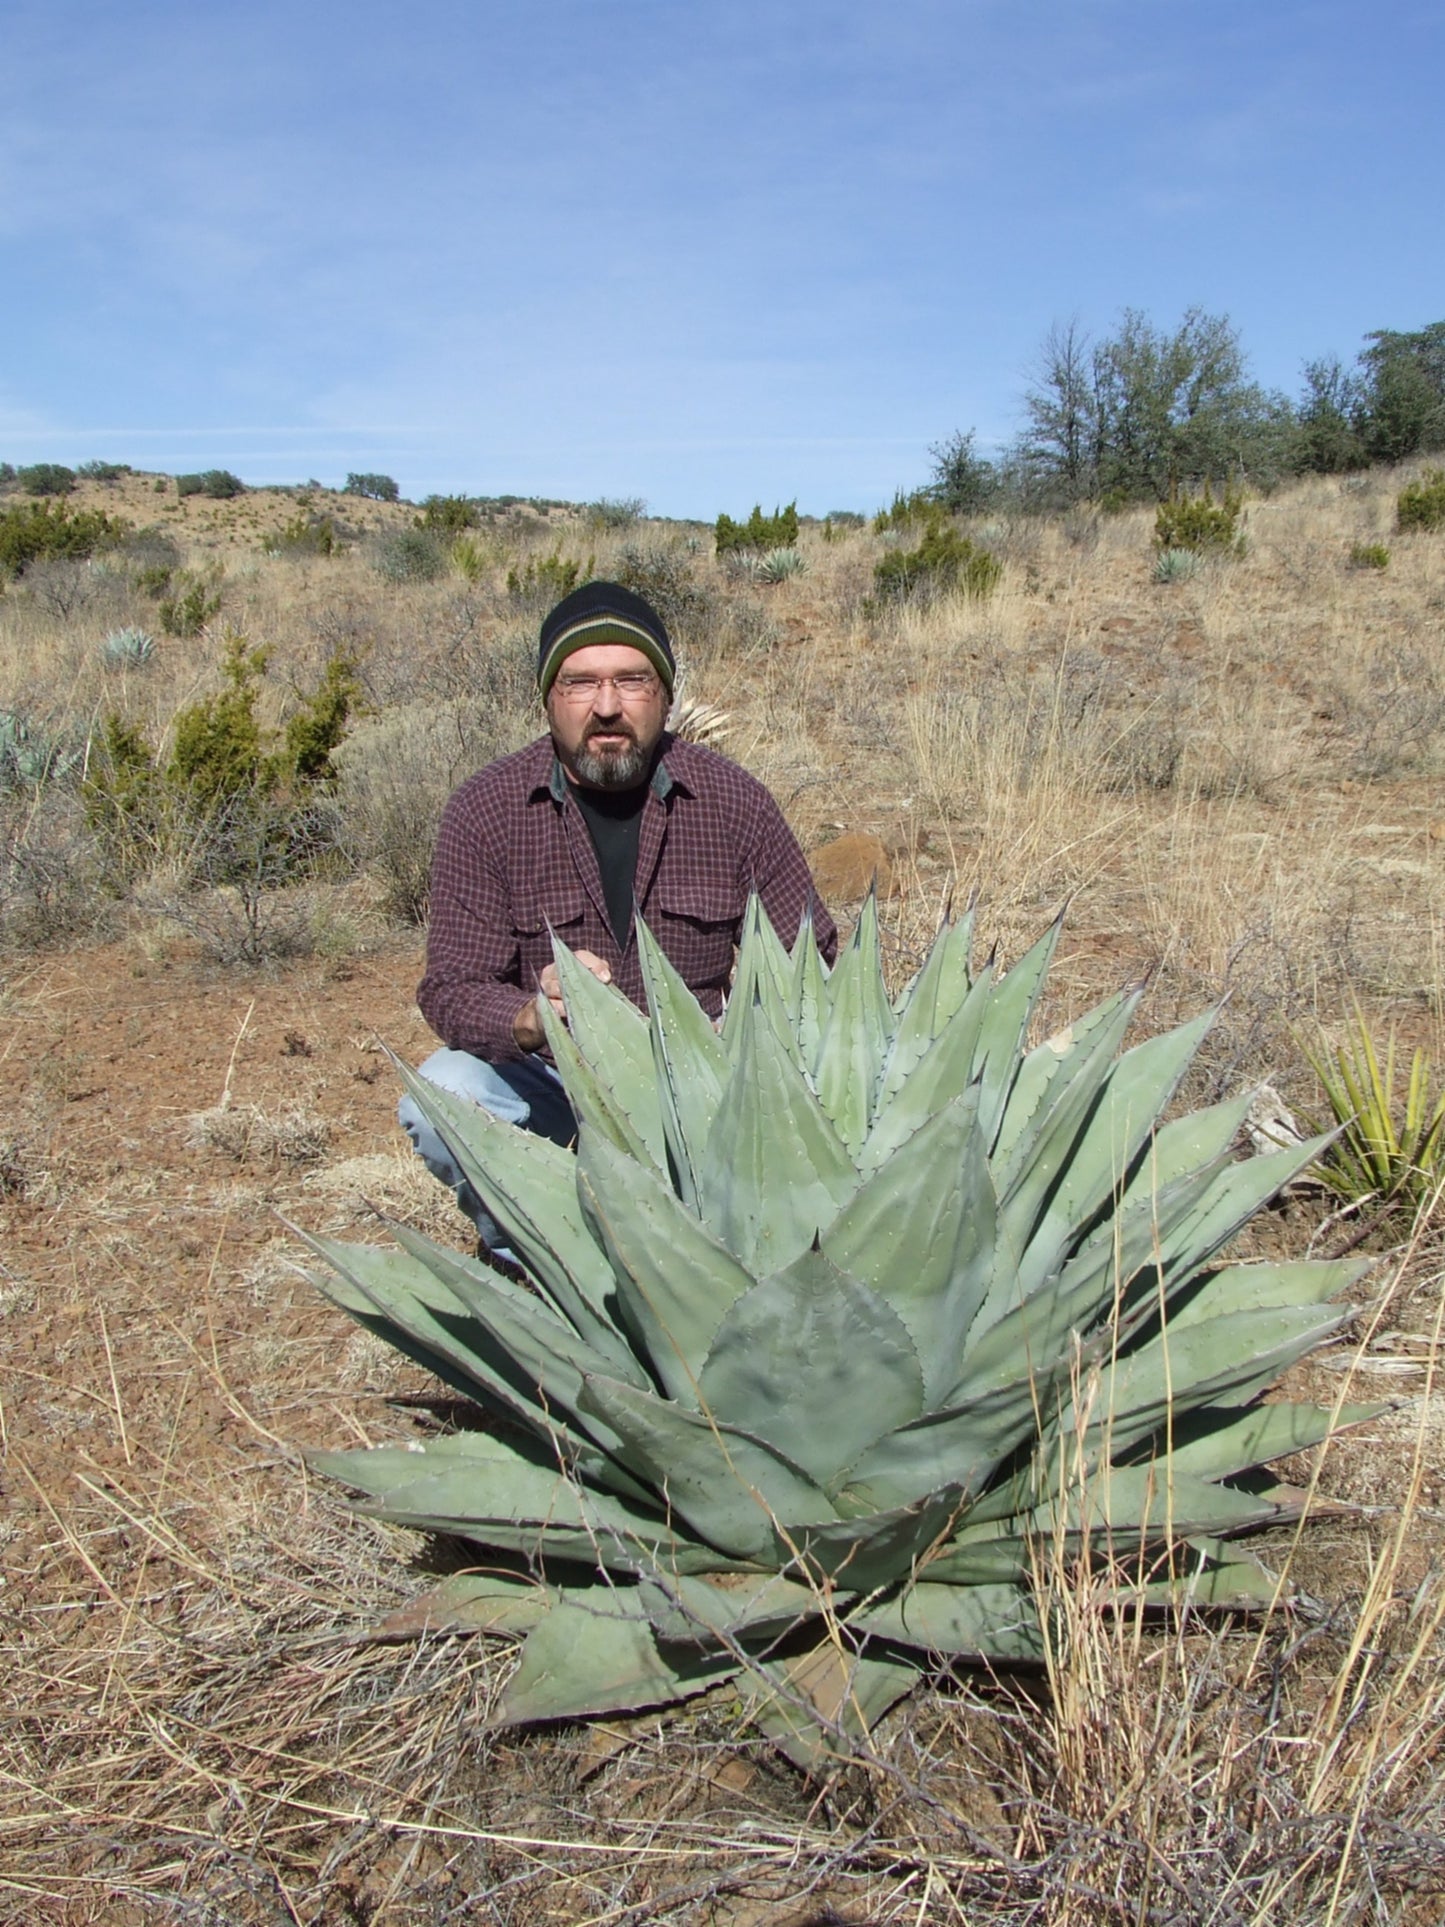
[(618, 728)]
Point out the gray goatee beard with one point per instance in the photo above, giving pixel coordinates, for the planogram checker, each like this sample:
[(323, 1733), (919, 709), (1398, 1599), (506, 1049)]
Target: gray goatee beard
[(612, 769)]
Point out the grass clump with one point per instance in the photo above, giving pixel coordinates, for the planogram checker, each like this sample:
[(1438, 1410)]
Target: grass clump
[(1369, 555), (1421, 505)]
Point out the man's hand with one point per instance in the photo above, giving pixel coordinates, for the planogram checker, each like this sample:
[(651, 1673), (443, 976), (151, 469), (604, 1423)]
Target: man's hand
[(527, 1030)]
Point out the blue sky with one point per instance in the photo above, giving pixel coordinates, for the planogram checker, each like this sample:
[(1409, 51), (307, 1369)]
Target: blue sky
[(705, 255)]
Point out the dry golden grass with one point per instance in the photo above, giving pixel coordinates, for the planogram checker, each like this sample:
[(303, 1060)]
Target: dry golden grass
[(1235, 782)]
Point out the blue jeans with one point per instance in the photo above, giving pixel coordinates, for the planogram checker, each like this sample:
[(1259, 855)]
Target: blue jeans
[(528, 1093)]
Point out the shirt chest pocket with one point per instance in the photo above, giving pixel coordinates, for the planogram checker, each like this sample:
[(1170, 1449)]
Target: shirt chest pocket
[(560, 905), (696, 922)]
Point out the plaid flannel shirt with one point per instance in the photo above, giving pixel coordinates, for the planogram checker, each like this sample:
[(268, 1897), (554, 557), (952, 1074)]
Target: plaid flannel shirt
[(514, 862)]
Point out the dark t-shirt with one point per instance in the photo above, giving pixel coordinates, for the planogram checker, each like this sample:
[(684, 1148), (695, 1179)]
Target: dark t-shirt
[(613, 818)]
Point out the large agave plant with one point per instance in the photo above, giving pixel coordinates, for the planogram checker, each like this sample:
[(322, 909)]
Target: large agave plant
[(844, 1322)]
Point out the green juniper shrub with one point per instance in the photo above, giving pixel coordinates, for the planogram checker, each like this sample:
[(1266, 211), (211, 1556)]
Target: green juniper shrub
[(153, 579), (1421, 504), (35, 531), (104, 471), (1200, 523), (906, 512), (1369, 555), (233, 801), (196, 601), (944, 561), (190, 485), (448, 515), (305, 534), (470, 558), (545, 579), (760, 532)]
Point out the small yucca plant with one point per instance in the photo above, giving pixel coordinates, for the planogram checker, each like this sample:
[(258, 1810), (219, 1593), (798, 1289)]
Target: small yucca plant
[(846, 1322), (778, 565), (129, 648), (1388, 1153), (1175, 565)]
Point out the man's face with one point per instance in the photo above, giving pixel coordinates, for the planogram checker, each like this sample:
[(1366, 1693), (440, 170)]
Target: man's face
[(604, 736)]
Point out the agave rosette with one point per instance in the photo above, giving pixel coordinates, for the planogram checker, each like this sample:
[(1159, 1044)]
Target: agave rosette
[(838, 1315)]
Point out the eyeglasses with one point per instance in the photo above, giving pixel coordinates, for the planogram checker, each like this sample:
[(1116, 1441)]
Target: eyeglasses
[(632, 685)]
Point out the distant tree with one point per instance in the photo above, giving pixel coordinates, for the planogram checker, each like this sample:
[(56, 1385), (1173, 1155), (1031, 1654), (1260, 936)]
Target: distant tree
[(220, 484), (378, 488), (1329, 439), (1404, 374), (963, 481), (1147, 412), (46, 478), (1058, 453)]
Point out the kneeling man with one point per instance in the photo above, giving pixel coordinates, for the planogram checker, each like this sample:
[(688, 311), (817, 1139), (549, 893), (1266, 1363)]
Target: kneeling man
[(605, 816)]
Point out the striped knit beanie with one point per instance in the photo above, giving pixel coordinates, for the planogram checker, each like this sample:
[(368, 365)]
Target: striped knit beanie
[(602, 612)]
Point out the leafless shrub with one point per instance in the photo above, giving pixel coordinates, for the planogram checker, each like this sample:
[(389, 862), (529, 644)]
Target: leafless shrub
[(1389, 717), (397, 771)]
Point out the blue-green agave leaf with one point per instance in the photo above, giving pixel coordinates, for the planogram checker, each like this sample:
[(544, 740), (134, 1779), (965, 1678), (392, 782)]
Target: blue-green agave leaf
[(818, 1707), (728, 1486), (612, 1035), (855, 1034), (934, 1265), (776, 1171), (690, 1063), (595, 1653), (675, 1281), (815, 1363), (982, 1622)]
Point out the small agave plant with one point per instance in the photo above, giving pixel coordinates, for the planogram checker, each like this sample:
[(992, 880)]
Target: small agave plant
[(846, 1323), (129, 648)]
